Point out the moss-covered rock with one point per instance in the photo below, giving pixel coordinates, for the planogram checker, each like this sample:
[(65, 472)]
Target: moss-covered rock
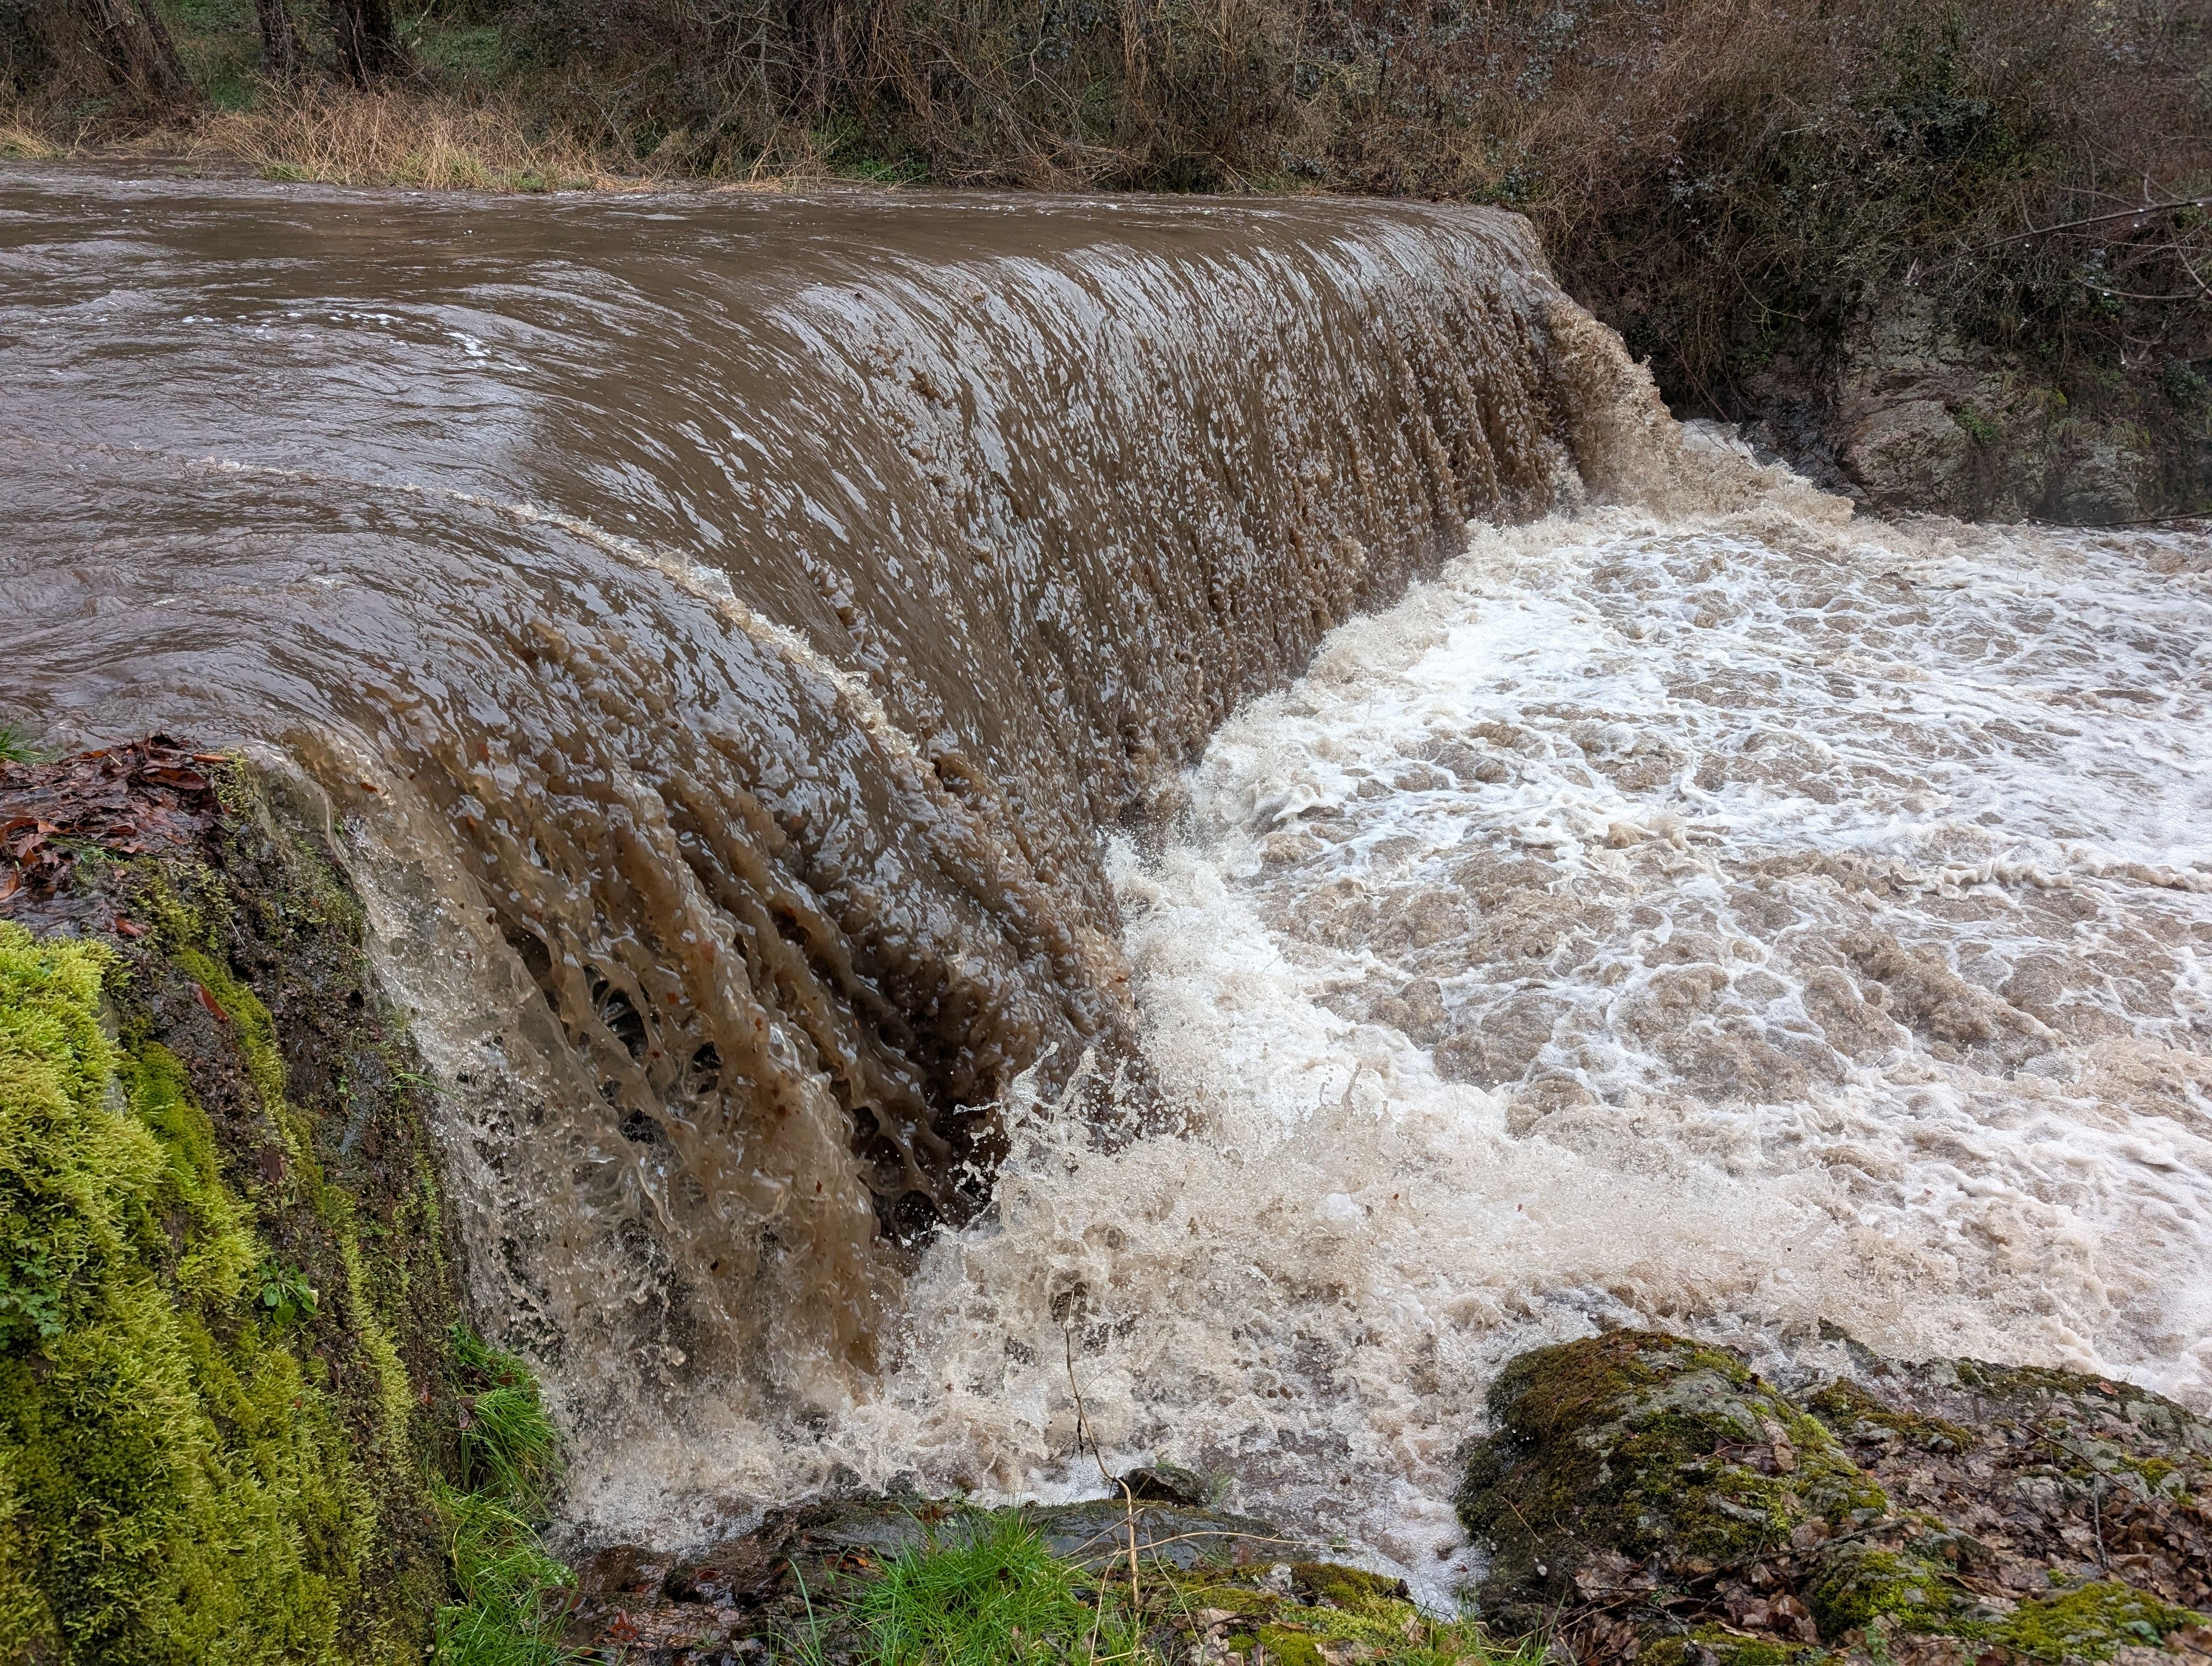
[(1854, 1583), (1650, 1449), (1646, 1495), (225, 1309), (2090, 1622)]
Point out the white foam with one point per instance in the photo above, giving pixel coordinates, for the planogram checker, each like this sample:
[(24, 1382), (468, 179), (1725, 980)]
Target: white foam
[(1732, 925)]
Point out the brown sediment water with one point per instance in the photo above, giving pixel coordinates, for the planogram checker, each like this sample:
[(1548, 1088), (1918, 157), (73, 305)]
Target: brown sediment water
[(724, 626), (1208, 797)]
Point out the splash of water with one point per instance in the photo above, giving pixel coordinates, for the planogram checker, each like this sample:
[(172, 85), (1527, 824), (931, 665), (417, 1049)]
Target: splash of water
[(1731, 922), (717, 633)]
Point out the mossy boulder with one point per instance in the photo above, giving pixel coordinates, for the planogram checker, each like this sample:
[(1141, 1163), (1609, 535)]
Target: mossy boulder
[(1851, 1584), (226, 1305), (1644, 1494), (1645, 1449)]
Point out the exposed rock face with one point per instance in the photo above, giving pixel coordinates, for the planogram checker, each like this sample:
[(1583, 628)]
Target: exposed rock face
[(1652, 1497), (1924, 420), (1905, 415)]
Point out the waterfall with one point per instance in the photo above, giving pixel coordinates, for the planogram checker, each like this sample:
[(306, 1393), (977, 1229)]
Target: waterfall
[(758, 656)]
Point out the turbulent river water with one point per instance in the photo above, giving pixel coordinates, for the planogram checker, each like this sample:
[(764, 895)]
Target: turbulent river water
[(937, 855)]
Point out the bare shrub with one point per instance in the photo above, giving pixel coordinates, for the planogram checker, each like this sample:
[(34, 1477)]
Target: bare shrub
[(1728, 181)]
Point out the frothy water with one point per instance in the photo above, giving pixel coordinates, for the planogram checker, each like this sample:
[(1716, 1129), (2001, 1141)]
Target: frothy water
[(718, 627), (758, 658), (1733, 923)]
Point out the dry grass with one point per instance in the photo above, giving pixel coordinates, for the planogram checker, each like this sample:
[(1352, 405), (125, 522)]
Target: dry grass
[(331, 133), (21, 141), (338, 135)]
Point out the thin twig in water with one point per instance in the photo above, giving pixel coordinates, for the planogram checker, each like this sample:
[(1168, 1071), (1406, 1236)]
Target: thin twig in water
[(1129, 1496)]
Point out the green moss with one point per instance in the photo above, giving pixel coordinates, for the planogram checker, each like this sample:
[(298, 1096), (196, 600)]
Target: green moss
[(230, 1388), (185, 931), (1729, 1649), (215, 1265), (1229, 1599), (176, 1488), (182, 932), (1854, 1583), (1851, 1412), (1351, 1587), (2155, 1472), (1292, 1647), (2088, 1623), (1647, 1446)]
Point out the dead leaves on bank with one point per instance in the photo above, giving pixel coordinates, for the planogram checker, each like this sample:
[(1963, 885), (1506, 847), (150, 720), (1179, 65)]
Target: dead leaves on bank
[(134, 800)]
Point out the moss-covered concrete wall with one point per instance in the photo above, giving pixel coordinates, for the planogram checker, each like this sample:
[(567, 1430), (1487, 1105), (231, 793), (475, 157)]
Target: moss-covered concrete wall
[(227, 1393)]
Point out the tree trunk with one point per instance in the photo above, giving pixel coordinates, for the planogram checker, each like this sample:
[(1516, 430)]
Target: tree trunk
[(168, 68), (369, 45), (135, 51), (280, 45)]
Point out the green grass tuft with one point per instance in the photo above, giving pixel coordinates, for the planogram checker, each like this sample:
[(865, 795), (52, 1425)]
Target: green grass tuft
[(987, 1593), (511, 1588), (507, 1442)]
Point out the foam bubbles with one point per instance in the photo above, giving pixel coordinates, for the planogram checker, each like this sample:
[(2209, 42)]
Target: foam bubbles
[(1734, 924)]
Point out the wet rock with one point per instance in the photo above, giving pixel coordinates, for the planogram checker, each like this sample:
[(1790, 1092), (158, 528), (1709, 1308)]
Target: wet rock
[(1924, 420), (1645, 1496), (1166, 1483), (1636, 1457), (790, 1575)]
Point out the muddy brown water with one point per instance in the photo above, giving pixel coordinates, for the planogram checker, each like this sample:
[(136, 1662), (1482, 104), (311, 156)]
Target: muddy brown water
[(720, 627), (940, 855)]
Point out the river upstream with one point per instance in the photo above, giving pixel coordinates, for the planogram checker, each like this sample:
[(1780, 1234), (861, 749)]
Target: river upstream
[(1204, 800)]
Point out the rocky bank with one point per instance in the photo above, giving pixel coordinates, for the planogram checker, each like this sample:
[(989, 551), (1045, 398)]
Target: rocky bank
[(1641, 1497), (228, 1394), (1646, 1496), (1909, 415)]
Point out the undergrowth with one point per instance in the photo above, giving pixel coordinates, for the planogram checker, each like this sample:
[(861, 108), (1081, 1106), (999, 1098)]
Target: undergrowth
[(511, 1588), (987, 1589)]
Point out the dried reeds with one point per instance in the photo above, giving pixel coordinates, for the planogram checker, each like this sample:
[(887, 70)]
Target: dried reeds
[(342, 134)]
